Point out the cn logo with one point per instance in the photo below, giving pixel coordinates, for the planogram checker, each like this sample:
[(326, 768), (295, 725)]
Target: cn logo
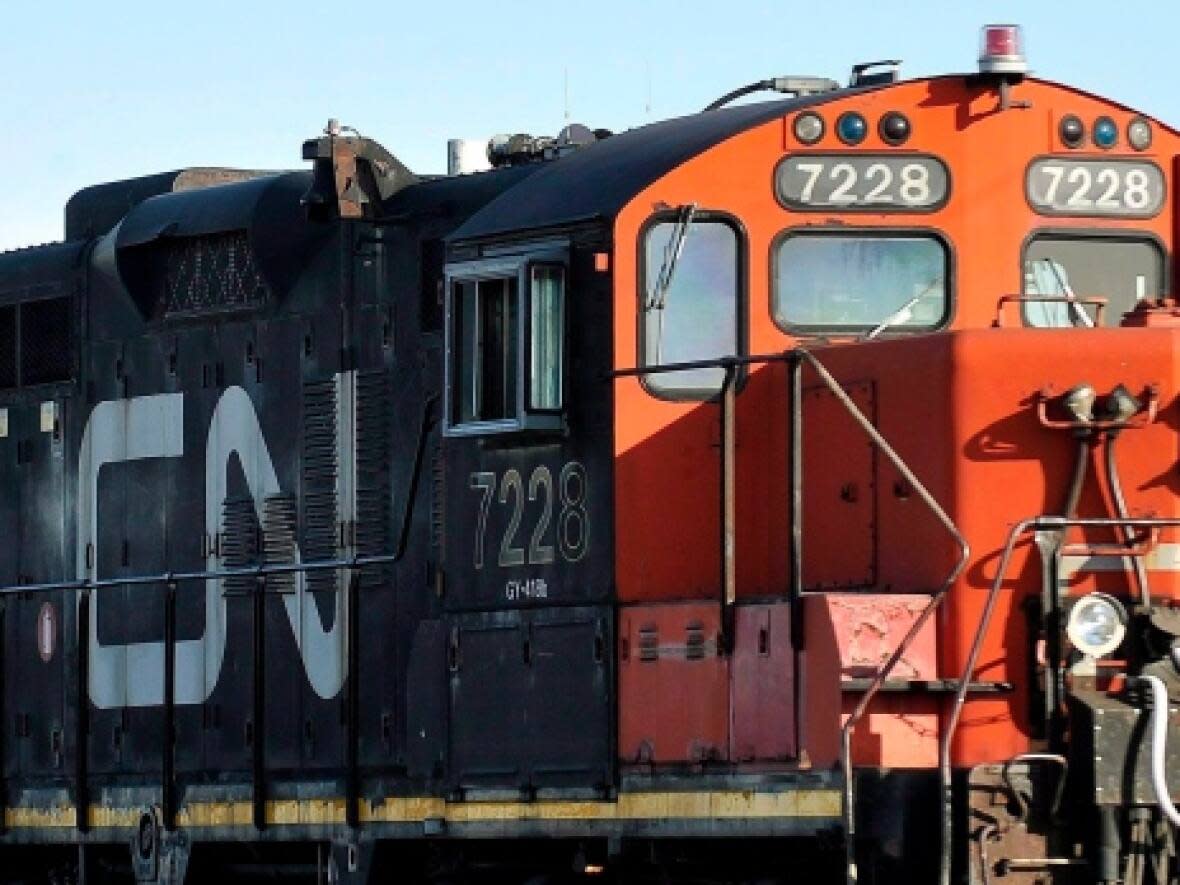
[(131, 675)]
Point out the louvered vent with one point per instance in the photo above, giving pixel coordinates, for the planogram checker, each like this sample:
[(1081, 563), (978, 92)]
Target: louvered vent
[(279, 527), (239, 541), (209, 274), (320, 468), (437, 493), (373, 524)]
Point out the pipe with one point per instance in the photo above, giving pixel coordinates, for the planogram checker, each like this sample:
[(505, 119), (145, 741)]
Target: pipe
[(935, 601), (733, 95), (1159, 745), (1079, 478), (1120, 506)]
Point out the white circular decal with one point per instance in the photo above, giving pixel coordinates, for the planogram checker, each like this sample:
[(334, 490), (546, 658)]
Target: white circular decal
[(47, 631)]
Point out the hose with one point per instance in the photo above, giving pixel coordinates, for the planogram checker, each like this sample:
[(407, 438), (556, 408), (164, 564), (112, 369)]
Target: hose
[(1159, 744), (748, 89), (1120, 506)]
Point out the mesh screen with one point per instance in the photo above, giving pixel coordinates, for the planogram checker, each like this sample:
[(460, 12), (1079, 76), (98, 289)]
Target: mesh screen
[(7, 347), (210, 273), (47, 349)]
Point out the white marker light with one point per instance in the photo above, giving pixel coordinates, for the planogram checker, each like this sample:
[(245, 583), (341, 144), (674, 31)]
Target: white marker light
[(1139, 134), (1001, 50), (1097, 624)]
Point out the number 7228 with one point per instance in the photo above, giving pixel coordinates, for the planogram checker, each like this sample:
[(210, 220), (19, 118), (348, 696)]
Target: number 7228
[(508, 490)]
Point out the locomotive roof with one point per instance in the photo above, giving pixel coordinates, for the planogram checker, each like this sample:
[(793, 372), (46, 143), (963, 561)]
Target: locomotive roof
[(596, 181), (38, 270)]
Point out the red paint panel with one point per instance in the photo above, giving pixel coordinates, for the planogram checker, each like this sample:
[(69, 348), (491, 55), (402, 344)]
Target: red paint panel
[(839, 497), (673, 685), (763, 727)]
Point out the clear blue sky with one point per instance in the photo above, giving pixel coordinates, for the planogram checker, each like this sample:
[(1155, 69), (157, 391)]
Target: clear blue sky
[(97, 91)]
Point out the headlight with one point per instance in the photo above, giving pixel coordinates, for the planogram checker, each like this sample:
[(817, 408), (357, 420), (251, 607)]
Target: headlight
[(1097, 624)]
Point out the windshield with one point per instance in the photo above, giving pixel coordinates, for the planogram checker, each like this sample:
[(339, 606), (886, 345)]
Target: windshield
[(1121, 271), (858, 283)]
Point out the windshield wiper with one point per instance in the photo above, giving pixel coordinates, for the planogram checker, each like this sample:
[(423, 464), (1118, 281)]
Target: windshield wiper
[(902, 314), (1076, 309), (657, 298)]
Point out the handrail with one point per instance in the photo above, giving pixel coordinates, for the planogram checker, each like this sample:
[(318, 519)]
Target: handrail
[(1035, 523), (1097, 302), (727, 468), (802, 355), (263, 570)]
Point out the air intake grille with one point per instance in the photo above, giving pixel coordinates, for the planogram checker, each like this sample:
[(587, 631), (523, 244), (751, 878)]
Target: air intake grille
[(210, 274), (47, 347), (239, 541), (7, 347)]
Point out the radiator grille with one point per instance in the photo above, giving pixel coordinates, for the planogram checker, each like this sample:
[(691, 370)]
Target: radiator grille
[(279, 521), (46, 341), (7, 347), (239, 541)]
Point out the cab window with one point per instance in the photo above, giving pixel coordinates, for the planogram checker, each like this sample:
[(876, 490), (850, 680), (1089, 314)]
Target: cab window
[(506, 346), (850, 283), (690, 302), (1121, 270)]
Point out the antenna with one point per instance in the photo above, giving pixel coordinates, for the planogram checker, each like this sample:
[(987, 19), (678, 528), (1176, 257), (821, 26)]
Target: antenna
[(647, 106), (567, 94)]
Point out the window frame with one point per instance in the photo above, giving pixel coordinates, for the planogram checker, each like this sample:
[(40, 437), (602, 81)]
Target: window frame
[(1081, 233), (741, 300), (519, 267), (804, 330)]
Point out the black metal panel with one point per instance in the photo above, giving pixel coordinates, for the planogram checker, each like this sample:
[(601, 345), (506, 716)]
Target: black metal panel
[(426, 701), (530, 699), (41, 558), (1110, 755), (186, 352), (324, 533), (107, 606), (569, 698), (489, 669), (143, 553)]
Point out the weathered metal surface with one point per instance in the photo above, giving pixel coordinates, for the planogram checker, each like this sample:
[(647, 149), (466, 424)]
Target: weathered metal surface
[(1015, 820), (1110, 749)]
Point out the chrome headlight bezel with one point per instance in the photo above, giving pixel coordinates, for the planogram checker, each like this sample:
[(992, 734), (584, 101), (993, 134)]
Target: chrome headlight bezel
[(1081, 618)]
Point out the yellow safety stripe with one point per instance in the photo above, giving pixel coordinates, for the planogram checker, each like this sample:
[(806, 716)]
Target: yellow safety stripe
[(707, 805)]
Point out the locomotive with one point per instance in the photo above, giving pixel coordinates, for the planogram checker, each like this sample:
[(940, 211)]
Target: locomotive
[(783, 492)]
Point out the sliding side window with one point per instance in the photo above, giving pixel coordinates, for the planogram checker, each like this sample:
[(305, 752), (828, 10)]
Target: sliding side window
[(690, 301), (506, 346)]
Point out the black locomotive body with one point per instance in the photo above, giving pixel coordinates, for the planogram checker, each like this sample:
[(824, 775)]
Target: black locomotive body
[(246, 613)]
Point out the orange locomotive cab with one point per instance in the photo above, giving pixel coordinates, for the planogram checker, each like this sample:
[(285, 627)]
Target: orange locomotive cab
[(959, 254)]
